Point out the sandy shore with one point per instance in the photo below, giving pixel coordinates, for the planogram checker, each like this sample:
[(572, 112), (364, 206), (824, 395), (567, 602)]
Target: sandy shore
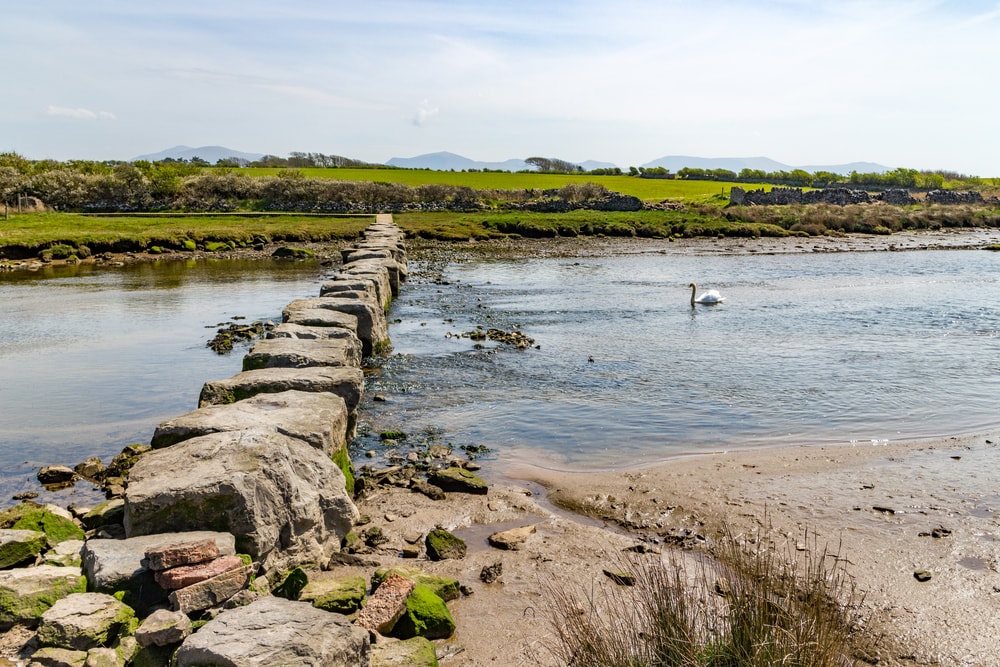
[(874, 505)]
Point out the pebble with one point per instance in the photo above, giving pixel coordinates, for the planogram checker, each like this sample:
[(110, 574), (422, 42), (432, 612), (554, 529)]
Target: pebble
[(921, 575)]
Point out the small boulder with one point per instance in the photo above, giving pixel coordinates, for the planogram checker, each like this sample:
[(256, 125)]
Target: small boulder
[(275, 631), (27, 593), (163, 628), (50, 656), (511, 539), (413, 652), (426, 615), (91, 470), (339, 594), (444, 587), (55, 523), (458, 480), (65, 554), (56, 475), (83, 621), (442, 545), (111, 512), (386, 605), (19, 546)]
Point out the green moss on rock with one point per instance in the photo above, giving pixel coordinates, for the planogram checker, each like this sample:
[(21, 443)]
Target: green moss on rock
[(32, 516), (292, 586), (442, 545), (342, 595), (444, 587), (343, 460), (413, 652), (426, 615)]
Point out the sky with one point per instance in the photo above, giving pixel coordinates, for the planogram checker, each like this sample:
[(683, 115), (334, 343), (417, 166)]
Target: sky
[(903, 84)]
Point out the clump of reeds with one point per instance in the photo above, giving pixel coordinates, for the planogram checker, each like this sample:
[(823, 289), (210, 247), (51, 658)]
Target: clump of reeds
[(746, 605)]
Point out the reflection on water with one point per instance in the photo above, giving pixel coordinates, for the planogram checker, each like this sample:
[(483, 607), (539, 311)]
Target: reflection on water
[(93, 358), (807, 348)]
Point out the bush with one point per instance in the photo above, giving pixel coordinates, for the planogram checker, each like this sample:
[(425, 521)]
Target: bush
[(749, 606)]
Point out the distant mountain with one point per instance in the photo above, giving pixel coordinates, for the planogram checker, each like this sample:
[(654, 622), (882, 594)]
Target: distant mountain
[(675, 163), (445, 161), (210, 154), (591, 165)]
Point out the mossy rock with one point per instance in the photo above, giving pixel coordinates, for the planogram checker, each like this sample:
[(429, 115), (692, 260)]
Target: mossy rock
[(426, 615), (342, 595), (442, 545), (217, 246), (458, 480), (188, 244), (27, 593), (343, 460), (444, 587), (413, 652), (296, 253), (109, 512), (154, 250), (292, 585), (32, 516)]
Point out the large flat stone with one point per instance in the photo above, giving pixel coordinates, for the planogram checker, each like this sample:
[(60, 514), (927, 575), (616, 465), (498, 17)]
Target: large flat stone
[(26, 593), (180, 554), (372, 327), (303, 332), (319, 419), (302, 353), (363, 266), (348, 383), (301, 313), (285, 501), (378, 276), (83, 621), (273, 631), (363, 285)]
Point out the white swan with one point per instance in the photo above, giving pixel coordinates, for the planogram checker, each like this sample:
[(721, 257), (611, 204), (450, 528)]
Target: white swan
[(711, 297)]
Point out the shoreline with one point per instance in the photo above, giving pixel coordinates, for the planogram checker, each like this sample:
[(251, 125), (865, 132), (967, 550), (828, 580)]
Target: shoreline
[(872, 507)]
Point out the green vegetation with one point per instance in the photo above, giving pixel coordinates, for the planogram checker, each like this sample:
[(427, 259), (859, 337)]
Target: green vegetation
[(750, 606), (182, 232)]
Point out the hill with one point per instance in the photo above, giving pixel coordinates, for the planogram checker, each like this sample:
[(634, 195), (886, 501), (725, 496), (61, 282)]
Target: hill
[(675, 163), (445, 161), (210, 154)]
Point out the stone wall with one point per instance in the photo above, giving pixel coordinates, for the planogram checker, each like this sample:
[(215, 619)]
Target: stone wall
[(844, 196)]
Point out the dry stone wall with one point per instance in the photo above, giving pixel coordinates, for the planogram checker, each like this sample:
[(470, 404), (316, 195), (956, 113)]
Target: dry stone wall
[(844, 196)]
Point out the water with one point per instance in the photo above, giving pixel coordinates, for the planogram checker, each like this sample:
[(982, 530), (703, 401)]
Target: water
[(807, 348), (92, 359)]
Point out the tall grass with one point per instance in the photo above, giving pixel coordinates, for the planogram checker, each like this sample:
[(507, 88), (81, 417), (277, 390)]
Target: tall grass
[(748, 605)]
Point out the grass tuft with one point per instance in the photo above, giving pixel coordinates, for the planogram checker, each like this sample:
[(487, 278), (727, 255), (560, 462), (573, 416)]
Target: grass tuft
[(748, 605)]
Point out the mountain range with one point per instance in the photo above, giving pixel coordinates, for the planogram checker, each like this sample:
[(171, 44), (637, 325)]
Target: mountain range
[(210, 154), (675, 163), (445, 161)]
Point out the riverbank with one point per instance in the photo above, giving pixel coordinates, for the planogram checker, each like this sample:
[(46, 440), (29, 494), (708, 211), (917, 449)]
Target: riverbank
[(889, 511), (898, 491)]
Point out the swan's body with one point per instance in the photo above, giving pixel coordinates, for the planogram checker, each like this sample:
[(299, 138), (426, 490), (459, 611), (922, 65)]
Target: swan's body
[(710, 297)]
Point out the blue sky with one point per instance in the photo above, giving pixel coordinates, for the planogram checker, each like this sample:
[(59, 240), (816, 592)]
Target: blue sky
[(899, 83)]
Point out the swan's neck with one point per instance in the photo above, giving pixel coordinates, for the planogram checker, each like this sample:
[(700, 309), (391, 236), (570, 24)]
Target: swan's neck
[(694, 288)]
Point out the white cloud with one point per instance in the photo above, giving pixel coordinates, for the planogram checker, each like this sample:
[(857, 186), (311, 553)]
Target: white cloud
[(79, 113), (424, 111)]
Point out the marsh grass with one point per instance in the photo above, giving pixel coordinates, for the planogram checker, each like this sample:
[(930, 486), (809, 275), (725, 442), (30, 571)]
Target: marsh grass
[(747, 605)]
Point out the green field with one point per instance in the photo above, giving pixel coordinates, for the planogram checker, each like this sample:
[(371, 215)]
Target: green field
[(647, 189), (36, 230)]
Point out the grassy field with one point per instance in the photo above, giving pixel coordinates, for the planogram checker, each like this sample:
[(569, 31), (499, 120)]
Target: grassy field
[(647, 189), (36, 230)]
